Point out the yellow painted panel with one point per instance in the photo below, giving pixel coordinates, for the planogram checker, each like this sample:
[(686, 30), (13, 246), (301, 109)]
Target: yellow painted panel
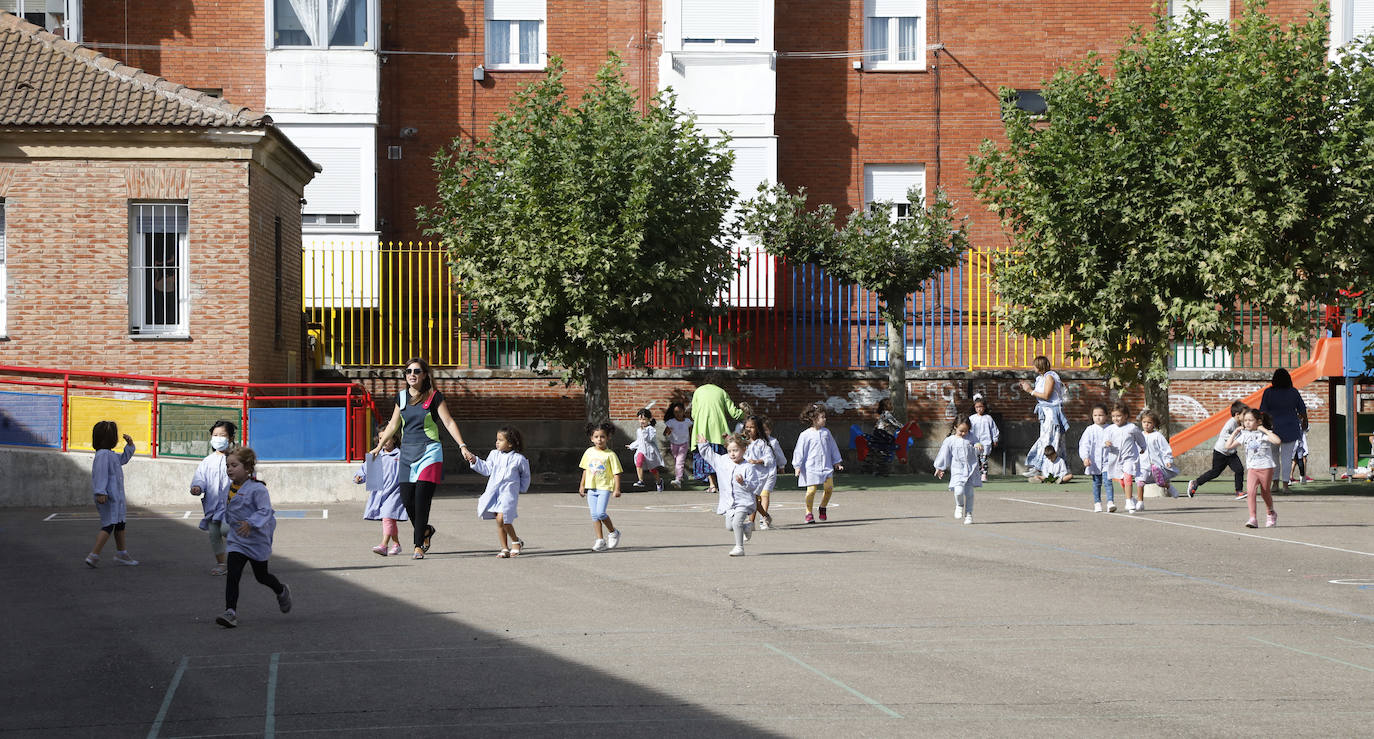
[(135, 418)]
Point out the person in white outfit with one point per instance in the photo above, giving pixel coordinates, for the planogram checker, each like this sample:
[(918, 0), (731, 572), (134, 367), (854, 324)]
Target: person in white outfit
[(739, 481), (1124, 443), (1096, 458), (958, 457), (508, 475), (816, 458), (645, 446), (1158, 464), (984, 432)]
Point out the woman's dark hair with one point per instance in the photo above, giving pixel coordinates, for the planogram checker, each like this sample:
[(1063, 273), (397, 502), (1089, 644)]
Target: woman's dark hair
[(1238, 407), (646, 413), (228, 426), (606, 426), (104, 435), (1282, 380), (426, 381), (512, 437), (670, 413), (761, 423)]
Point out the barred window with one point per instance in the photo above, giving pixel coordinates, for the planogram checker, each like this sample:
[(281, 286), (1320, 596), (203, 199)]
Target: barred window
[(157, 268)]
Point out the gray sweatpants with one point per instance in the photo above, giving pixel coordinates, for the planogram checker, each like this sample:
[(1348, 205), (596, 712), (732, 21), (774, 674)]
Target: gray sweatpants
[(735, 520)]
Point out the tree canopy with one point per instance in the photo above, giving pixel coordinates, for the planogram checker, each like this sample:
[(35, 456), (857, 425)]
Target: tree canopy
[(588, 231), (1195, 174)]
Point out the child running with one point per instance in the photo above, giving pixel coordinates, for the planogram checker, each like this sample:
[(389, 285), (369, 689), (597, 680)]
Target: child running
[(678, 429), (1096, 458), (1223, 457), (1158, 464), (107, 481), (211, 483), (599, 483), (1125, 443), (816, 459), (1261, 449), (508, 474), (1299, 471), (740, 481), (760, 453), (958, 457), (1052, 468), (251, 523), (645, 446), (984, 433), (384, 495)]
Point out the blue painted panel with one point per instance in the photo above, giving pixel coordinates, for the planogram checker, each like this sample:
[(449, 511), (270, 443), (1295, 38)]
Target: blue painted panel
[(31, 419), (297, 434), (1355, 338)]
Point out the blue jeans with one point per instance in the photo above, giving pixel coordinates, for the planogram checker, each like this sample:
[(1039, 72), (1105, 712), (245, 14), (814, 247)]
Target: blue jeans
[(1098, 480), (596, 501)]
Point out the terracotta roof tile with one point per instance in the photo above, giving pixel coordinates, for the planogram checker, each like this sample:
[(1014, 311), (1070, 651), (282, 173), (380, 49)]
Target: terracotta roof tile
[(48, 81)]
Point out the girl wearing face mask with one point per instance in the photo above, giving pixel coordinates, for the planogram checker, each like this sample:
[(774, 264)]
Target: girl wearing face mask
[(211, 484)]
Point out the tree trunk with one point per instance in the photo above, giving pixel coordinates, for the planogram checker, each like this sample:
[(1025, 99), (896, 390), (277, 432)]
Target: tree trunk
[(596, 391), (1157, 400), (894, 312)]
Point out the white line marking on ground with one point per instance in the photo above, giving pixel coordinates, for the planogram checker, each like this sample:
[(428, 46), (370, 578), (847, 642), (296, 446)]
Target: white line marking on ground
[(167, 699), (50, 517), (1135, 517), (1352, 641), (186, 515), (324, 513), (1312, 654), (269, 728), (861, 696)]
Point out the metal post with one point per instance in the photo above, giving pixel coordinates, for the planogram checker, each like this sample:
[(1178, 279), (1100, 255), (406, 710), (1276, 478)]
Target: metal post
[(1351, 428)]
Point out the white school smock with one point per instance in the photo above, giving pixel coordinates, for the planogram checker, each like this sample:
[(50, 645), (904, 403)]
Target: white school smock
[(1225, 436), (760, 449), (384, 495), (815, 457), (107, 478), (213, 482), (508, 475), (252, 504), (779, 456), (733, 494), (983, 430), (646, 443), (679, 432), (1090, 448), (1056, 469), (960, 459), (1159, 454), (1127, 444)]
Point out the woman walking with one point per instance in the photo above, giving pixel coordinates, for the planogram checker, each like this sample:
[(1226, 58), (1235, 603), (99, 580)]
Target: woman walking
[(1048, 392), (1284, 404), (420, 411)]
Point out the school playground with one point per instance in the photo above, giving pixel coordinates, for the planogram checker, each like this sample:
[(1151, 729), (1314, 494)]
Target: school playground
[(892, 619)]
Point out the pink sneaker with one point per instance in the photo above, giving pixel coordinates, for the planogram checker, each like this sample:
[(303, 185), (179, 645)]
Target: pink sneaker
[(1271, 520), (1252, 524), (810, 518), (379, 549), (822, 512), (395, 550)]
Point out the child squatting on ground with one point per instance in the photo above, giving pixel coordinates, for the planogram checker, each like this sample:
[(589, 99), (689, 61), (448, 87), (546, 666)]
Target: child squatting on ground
[(251, 523), (211, 483), (508, 475), (816, 459), (740, 480), (384, 495), (958, 457), (599, 483), (645, 447), (1052, 468), (1097, 458), (107, 482)]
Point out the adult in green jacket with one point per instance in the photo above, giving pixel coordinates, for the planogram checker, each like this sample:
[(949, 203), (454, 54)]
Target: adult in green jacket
[(713, 416)]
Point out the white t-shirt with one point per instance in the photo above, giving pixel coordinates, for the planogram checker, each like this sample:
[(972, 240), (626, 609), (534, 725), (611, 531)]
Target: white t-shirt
[(681, 430)]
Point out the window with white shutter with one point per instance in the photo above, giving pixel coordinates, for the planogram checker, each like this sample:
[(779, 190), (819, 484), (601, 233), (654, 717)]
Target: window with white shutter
[(334, 197), (722, 21), (1215, 10), (894, 35), (1351, 19), (515, 34), (886, 186)]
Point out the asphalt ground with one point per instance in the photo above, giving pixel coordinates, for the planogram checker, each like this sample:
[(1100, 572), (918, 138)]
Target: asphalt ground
[(891, 619)]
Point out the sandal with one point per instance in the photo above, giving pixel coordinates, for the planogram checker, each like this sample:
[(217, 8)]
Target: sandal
[(218, 570), (516, 547), (503, 554), (429, 534), (419, 554)]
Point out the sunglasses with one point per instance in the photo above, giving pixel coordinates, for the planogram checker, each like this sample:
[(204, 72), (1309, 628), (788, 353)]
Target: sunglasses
[(414, 371)]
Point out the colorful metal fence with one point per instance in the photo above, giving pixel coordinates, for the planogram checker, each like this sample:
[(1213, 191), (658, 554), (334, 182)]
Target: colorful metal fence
[(378, 307)]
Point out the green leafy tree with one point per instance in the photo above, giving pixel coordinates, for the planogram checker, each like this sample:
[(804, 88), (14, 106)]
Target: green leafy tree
[(588, 231), (1194, 175), (891, 257)]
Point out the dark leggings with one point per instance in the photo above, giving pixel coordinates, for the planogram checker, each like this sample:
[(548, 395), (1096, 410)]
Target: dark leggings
[(237, 562), (417, 497), (1220, 462)]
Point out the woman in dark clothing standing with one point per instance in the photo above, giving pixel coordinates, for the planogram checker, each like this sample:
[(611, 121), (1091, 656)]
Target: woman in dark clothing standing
[(1284, 404), (420, 411)]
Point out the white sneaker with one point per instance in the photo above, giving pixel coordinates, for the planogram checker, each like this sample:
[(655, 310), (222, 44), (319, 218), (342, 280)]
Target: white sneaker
[(229, 619), (1111, 506), (1097, 507), (599, 545), (748, 531), (1139, 506), (124, 558), (1130, 505), (737, 552), (92, 560), (968, 519), (763, 524), (613, 539), (958, 511)]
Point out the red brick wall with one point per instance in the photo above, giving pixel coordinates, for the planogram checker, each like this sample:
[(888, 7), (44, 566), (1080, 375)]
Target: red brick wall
[(269, 348)]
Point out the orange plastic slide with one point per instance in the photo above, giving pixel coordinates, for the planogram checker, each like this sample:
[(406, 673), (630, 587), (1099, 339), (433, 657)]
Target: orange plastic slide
[(1326, 361)]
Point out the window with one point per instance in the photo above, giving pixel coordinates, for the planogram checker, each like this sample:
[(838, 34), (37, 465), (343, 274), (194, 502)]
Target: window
[(157, 268), (4, 278), (50, 15), (320, 23), (721, 22), (1215, 10), (334, 198), (1351, 19), (515, 34), (894, 34), (886, 186)]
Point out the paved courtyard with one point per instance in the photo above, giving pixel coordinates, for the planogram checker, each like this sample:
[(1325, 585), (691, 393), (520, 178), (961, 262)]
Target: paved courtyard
[(893, 619)]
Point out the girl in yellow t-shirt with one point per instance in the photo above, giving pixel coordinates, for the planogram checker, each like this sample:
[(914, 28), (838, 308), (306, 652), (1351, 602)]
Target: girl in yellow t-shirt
[(600, 482)]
